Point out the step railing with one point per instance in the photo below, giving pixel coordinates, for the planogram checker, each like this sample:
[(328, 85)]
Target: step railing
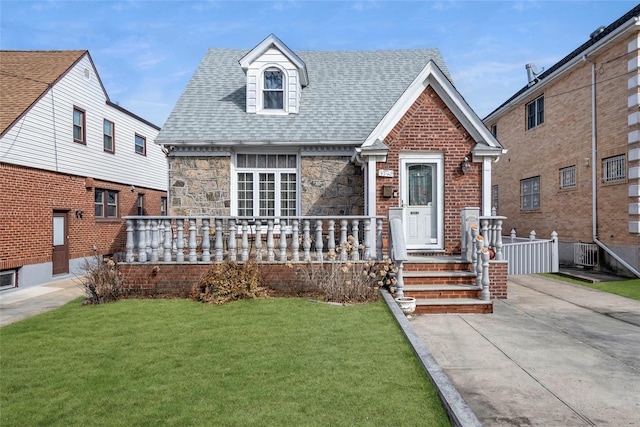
[(195, 239)]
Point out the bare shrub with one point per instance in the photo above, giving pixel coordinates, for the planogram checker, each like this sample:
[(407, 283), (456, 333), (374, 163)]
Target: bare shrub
[(100, 280), (229, 281), (348, 281)]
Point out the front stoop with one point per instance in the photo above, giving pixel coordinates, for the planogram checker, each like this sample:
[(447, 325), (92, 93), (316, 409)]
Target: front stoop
[(443, 285)]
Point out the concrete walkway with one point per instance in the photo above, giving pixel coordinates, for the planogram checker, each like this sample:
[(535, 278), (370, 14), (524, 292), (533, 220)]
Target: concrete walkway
[(18, 304), (553, 354)]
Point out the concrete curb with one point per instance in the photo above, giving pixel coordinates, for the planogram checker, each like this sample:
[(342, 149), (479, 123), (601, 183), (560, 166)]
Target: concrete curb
[(457, 409)]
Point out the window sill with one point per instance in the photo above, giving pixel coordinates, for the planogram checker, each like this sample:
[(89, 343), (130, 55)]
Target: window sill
[(108, 220)]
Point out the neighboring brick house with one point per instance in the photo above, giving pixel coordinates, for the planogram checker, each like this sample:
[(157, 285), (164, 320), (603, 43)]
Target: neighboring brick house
[(573, 140), (273, 132), (72, 164)]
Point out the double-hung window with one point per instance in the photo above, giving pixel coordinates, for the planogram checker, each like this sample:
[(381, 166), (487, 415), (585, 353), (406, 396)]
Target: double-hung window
[(267, 184), (535, 112), (141, 145), (530, 193), (106, 203), (273, 90), (108, 137), (79, 126), (614, 169), (140, 204)]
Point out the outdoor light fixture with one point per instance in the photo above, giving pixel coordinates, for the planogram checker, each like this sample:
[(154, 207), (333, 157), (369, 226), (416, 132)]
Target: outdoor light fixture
[(464, 165)]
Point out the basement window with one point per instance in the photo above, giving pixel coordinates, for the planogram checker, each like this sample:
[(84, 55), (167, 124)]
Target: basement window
[(7, 279)]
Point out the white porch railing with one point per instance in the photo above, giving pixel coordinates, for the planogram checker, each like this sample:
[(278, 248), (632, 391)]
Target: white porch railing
[(267, 239), (531, 255)]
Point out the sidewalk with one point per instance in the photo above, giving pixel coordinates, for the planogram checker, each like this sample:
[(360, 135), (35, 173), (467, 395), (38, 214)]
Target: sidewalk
[(553, 354), (19, 304)]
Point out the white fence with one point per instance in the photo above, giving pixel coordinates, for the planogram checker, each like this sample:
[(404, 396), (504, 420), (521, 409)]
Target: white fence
[(530, 256)]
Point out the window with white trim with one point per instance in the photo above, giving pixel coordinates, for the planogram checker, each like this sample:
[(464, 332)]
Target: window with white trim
[(535, 112), (568, 177), (79, 126), (530, 193), (494, 197), (273, 90), (108, 136), (267, 184), (7, 279), (614, 169)]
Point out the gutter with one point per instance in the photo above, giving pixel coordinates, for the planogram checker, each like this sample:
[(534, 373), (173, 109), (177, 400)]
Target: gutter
[(594, 145)]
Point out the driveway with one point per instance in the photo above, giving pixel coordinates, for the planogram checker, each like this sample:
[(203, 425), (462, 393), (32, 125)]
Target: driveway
[(553, 354)]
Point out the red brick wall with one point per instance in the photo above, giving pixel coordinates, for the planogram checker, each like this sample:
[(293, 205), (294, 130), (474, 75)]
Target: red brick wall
[(29, 197), (429, 126), (498, 279), (177, 280)]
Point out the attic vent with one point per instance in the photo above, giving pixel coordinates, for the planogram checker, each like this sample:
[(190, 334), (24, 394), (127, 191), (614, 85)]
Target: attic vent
[(87, 73), (597, 32)]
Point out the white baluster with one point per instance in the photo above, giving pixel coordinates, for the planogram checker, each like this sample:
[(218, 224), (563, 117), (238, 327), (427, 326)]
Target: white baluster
[(206, 243), (168, 237), (295, 243), (193, 256), (355, 255), (498, 245), (129, 245), (306, 240), (244, 254), (379, 239), (148, 237), (258, 240), (270, 243), (142, 244), (218, 245), (283, 242), (343, 239), (479, 245), (485, 231), (154, 241), (513, 235), (485, 275), (367, 238), (532, 235), (231, 244), (331, 239), (180, 240), (319, 245)]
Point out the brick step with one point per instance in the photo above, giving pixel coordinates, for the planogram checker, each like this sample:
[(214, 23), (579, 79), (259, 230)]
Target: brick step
[(436, 266), (453, 306), (442, 291), (441, 277)]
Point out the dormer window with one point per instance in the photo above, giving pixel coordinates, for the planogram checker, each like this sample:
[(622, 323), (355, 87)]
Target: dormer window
[(273, 91)]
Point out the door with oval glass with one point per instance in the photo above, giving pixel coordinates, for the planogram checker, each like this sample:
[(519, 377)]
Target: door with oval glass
[(421, 202)]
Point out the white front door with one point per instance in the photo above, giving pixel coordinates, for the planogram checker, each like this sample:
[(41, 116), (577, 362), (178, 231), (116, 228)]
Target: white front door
[(422, 201)]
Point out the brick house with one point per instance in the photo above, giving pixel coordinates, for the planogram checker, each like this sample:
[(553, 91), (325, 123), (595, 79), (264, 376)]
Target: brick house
[(72, 164), (273, 132), (573, 163)]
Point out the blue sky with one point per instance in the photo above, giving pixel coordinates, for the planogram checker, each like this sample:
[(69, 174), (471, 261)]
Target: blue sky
[(146, 51)]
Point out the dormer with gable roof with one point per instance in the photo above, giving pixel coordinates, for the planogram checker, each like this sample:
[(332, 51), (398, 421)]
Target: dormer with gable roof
[(275, 78)]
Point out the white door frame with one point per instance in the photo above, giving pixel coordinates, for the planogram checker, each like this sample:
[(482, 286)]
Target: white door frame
[(431, 158)]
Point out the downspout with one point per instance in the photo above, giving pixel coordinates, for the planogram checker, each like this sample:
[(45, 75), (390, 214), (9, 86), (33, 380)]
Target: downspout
[(594, 145)]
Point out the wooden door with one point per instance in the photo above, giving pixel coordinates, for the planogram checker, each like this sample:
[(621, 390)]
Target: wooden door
[(60, 256)]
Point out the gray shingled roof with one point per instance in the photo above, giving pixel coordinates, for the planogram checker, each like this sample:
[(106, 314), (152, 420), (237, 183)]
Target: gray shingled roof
[(348, 94)]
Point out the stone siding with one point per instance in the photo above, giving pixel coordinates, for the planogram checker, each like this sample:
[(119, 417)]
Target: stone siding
[(331, 186), (199, 185)]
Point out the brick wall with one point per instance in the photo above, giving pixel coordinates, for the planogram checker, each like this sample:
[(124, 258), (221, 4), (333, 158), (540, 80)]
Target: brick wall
[(563, 140), (29, 197), (429, 126), (498, 279)]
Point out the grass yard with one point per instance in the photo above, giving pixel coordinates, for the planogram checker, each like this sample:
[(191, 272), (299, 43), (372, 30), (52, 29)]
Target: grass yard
[(270, 362), (626, 288)]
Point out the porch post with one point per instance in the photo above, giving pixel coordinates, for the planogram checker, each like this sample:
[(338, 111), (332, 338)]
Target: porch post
[(372, 200)]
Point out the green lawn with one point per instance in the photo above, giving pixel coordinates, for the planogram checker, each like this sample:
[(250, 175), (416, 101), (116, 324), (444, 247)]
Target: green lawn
[(273, 362), (625, 288)]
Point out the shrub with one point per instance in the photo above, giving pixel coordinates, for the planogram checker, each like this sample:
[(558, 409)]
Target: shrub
[(100, 280), (348, 281), (229, 281)]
